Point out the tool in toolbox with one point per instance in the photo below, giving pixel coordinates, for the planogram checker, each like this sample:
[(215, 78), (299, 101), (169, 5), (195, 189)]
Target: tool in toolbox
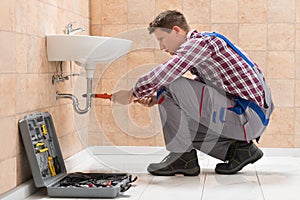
[(100, 96), (48, 168)]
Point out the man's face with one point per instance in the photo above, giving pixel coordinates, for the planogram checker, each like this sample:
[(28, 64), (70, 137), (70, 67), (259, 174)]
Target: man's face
[(169, 42)]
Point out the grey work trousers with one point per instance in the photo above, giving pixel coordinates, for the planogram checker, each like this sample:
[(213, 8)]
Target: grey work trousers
[(195, 115)]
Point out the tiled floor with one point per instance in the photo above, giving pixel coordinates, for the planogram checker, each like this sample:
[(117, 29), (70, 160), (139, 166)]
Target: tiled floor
[(275, 176)]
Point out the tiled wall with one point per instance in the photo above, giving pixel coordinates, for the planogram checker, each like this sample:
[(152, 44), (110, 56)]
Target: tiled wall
[(25, 79), (269, 30)]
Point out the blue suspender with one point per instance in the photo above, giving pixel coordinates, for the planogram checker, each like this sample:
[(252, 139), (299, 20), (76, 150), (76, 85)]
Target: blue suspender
[(241, 104)]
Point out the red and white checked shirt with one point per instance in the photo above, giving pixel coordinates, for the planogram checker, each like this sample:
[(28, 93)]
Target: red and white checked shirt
[(214, 61)]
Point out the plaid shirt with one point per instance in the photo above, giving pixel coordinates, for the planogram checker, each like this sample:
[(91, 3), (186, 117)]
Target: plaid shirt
[(211, 59)]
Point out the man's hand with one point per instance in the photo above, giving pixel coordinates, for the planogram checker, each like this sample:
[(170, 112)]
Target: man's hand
[(123, 97), (146, 101)]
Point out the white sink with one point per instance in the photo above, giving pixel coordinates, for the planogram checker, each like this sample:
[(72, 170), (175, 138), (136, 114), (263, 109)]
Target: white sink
[(86, 50)]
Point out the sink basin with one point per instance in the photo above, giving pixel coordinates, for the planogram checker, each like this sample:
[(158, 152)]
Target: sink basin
[(86, 50)]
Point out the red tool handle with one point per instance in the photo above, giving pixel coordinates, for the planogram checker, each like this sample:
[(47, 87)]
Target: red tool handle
[(103, 96)]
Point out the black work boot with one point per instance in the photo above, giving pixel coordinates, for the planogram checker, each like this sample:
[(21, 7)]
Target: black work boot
[(238, 156), (176, 163)]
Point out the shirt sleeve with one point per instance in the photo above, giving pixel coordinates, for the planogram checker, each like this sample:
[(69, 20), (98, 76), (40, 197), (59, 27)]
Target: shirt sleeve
[(190, 53)]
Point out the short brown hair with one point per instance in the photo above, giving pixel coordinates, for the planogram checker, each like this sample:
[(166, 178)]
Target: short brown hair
[(167, 20)]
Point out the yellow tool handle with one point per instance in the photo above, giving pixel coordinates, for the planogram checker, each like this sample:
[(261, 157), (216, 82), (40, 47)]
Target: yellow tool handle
[(51, 166), (43, 150), (44, 129), (39, 144)]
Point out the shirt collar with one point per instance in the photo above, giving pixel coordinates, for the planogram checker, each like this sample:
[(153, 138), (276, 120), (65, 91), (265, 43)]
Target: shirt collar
[(191, 34)]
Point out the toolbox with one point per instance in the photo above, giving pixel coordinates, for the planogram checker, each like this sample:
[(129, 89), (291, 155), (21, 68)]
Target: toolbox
[(48, 167)]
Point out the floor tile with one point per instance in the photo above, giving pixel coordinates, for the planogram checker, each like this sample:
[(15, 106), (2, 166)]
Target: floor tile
[(279, 177), (174, 187)]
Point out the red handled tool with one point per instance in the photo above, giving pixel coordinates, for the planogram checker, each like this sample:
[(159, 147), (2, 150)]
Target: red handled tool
[(100, 96), (103, 96)]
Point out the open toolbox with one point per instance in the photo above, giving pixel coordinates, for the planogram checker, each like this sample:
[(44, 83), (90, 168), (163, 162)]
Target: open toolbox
[(48, 167)]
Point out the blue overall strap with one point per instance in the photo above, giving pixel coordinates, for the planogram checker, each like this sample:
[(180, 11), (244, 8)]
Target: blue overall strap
[(242, 104), (231, 45)]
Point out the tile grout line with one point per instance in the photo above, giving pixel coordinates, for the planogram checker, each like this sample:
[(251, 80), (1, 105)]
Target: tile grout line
[(202, 192), (259, 183), (140, 197)]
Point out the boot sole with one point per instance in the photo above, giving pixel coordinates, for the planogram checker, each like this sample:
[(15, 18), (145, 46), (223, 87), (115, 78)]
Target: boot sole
[(186, 172), (255, 157)]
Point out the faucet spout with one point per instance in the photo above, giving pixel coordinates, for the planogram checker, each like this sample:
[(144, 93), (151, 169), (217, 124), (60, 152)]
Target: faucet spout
[(70, 31)]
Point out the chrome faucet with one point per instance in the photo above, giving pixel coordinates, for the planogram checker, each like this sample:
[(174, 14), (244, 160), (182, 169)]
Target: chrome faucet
[(70, 31)]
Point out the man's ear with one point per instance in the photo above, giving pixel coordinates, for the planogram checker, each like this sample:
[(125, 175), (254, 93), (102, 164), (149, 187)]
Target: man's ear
[(177, 29)]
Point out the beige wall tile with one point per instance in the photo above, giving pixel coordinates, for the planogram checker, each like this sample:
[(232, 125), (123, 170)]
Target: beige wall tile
[(297, 141), (281, 65), (142, 121), (140, 37), (8, 97), (282, 121), (260, 58), (251, 39), (228, 30), (115, 119), (7, 52), (282, 92), (297, 37), (113, 30), (22, 93), (21, 53), (297, 93), (142, 141), (7, 9), (116, 69), (114, 12), (8, 142), (297, 11), (297, 76), (200, 27), (224, 11), (161, 6), (23, 168), (32, 92), (98, 139), (140, 12), (140, 57), (281, 11), (196, 11), (32, 16), (8, 173), (277, 141), (36, 49), (95, 7), (297, 121), (252, 11), (70, 144), (281, 37), (96, 30), (159, 139), (20, 16), (95, 119)]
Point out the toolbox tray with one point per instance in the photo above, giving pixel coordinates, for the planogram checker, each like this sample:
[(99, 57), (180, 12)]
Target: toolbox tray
[(48, 167)]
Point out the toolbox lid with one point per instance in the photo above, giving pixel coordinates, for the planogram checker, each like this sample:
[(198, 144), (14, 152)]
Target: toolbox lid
[(42, 148)]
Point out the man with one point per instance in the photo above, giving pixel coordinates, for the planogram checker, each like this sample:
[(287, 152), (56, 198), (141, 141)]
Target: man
[(220, 112)]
